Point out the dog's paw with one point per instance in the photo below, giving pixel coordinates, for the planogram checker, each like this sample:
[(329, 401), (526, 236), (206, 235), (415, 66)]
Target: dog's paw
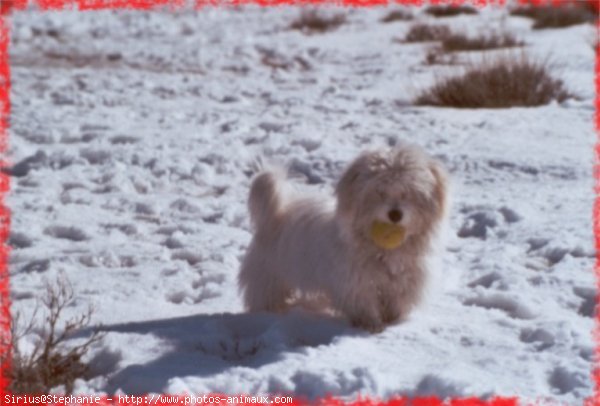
[(391, 316), (370, 324)]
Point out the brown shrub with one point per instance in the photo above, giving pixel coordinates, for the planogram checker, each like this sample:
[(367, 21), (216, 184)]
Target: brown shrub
[(460, 42), (397, 15), (425, 32), (591, 6), (312, 22), (502, 83), (449, 10), (51, 363), (557, 16)]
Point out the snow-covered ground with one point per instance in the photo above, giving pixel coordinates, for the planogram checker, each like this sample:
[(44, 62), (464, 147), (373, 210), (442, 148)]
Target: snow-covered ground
[(133, 135)]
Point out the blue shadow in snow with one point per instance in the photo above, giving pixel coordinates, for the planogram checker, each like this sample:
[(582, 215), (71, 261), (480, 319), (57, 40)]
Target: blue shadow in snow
[(205, 345)]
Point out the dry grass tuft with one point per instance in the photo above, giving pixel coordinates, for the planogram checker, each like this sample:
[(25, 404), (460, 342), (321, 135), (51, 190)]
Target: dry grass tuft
[(558, 16), (591, 6), (449, 10), (310, 22), (426, 32), (51, 363), (460, 42), (506, 82), (397, 15)]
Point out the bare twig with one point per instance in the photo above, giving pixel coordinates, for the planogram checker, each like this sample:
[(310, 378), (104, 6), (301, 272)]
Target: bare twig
[(51, 362)]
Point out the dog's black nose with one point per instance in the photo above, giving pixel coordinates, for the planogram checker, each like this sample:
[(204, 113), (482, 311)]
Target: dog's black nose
[(395, 215)]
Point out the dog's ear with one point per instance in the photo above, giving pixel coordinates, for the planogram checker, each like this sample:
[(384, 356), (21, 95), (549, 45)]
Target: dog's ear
[(348, 186), (440, 189)]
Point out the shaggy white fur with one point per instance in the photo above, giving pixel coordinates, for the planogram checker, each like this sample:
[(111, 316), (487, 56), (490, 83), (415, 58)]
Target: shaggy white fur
[(306, 247)]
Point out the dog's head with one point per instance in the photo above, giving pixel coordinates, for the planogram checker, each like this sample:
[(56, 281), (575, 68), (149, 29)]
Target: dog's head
[(401, 187)]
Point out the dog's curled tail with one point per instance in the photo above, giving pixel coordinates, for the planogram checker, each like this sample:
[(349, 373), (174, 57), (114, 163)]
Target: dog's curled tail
[(265, 203)]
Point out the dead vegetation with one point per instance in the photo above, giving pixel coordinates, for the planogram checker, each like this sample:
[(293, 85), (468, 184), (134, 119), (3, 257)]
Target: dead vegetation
[(277, 61), (311, 22), (427, 32), (449, 10), (456, 42), (51, 362), (550, 16), (461, 42), (397, 15), (504, 82)]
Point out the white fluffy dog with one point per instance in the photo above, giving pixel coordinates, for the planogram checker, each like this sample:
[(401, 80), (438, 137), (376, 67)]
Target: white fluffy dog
[(304, 247)]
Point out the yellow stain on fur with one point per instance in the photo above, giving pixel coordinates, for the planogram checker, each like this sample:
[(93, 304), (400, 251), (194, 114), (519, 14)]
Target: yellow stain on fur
[(387, 236)]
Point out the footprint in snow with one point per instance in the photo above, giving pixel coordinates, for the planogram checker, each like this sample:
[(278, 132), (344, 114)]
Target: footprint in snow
[(19, 240), (104, 362), (145, 209), (190, 257), (562, 380), (477, 224), (588, 305), (83, 138), (270, 127), (38, 266), (308, 144), (169, 272), (232, 348), (539, 338), (510, 216), (35, 137), (21, 295), (512, 167), (95, 156), (299, 167), (587, 353), (504, 303), (23, 167), (108, 260), (62, 99), (480, 221), (127, 229), (66, 233), (431, 385), (213, 218), (93, 127), (554, 253), (172, 242), (536, 243), (124, 139), (183, 296), (182, 205), (206, 279), (486, 280), (176, 297), (172, 230), (207, 292)]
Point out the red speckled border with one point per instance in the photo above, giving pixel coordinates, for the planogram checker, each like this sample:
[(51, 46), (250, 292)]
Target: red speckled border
[(4, 187), (7, 6)]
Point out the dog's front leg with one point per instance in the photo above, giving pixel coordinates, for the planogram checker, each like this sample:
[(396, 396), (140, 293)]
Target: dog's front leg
[(389, 308), (363, 312), (391, 304), (367, 322), (394, 312)]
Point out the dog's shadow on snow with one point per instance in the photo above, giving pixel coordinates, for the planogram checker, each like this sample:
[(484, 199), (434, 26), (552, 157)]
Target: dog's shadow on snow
[(205, 345)]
